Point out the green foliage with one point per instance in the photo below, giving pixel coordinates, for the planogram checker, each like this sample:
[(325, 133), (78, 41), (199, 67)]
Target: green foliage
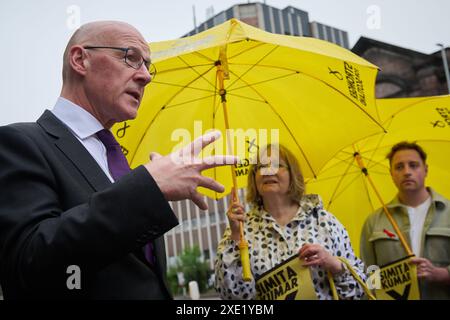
[(193, 269)]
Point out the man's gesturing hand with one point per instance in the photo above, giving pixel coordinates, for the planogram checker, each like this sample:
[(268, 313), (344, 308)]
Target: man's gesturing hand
[(179, 174)]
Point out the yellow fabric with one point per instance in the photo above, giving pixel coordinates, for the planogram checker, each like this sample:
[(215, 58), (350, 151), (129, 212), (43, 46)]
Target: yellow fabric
[(299, 86), (289, 280), (343, 187), (423, 118)]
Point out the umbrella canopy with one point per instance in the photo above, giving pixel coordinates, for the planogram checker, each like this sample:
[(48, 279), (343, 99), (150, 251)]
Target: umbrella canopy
[(311, 95), (344, 188)]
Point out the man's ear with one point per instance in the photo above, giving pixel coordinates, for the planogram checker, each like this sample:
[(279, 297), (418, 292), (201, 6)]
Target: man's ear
[(77, 59), (426, 170)]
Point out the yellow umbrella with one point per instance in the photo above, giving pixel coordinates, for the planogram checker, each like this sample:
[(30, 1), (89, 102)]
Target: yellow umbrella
[(341, 183), (310, 95)]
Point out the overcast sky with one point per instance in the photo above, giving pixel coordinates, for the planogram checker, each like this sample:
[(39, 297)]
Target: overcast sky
[(33, 34)]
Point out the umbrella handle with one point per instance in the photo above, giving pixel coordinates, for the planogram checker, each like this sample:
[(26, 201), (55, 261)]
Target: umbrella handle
[(222, 73), (385, 209), (243, 249)]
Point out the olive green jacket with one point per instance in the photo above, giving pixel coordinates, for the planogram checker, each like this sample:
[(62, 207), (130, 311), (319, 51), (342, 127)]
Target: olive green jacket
[(380, 245)]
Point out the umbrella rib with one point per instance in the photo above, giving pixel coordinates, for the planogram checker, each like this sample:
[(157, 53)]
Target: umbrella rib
[(248, 98), (346, 97), (186, 86), (200, 75), (182, 86), (252, 66), (188, 66), (348, 161), (321, 179), (264, 81), (412, 105), (336, 194), (370, 163), (161, 109), (265, 66), (384, 173), (382, 136), (186, 102), (201, 55), (311, 76), (284, 124), (258, 44), (333, 88), (419, 140)]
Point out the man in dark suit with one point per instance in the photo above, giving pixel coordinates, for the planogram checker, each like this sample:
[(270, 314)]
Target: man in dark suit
[(68, 207)]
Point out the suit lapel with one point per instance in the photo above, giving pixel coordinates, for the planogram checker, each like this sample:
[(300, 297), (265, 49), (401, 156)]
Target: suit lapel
[(72, 148)]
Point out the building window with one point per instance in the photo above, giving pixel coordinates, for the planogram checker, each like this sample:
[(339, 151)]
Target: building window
[(267, 21), (276, 20), (287, 28), (247, 11), (220, 19)]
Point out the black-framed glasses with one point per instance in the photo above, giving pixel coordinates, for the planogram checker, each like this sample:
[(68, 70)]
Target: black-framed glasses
[(133, 58)]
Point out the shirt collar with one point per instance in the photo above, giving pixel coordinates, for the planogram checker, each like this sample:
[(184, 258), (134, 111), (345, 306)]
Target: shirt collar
[(436, 198), (80, 122), (308, 204)]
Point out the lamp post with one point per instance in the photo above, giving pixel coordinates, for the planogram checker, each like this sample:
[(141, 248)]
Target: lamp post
[(444, 61)]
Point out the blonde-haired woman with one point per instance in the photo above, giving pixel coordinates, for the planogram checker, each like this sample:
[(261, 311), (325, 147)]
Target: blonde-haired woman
[(282, 222)]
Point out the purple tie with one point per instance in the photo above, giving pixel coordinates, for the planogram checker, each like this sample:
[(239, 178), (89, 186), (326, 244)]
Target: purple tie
[(118, 166), (117, 163)]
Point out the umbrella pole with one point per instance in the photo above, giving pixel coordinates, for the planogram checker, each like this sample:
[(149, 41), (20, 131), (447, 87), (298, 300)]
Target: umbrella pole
[(243, 244), (385, 209)]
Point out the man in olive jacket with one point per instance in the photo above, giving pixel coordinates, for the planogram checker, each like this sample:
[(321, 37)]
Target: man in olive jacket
[(423, 216)]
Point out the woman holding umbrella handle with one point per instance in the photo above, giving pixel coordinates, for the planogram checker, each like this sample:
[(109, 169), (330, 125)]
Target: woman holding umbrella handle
[(283, 223), (236, 215)]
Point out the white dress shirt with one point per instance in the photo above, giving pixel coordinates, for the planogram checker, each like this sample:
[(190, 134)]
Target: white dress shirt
[(84, 127)]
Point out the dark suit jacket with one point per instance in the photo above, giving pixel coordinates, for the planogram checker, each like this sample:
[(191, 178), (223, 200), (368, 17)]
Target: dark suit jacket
[(58, 208)]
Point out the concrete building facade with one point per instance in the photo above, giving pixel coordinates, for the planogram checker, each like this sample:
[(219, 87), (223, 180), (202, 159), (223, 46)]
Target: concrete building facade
[(288, 21)]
